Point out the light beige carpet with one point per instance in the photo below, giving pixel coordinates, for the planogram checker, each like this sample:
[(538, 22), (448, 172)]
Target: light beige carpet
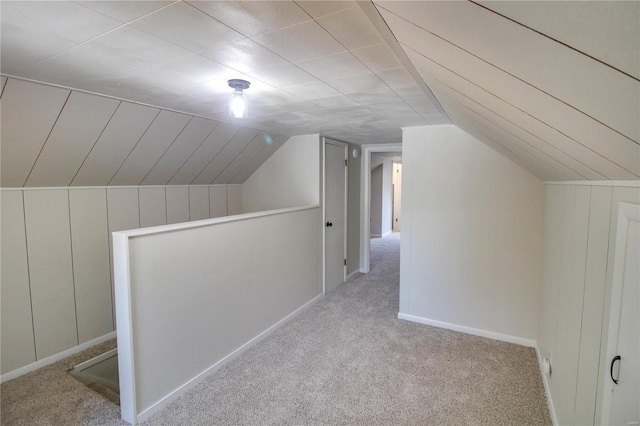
[(346, 360)]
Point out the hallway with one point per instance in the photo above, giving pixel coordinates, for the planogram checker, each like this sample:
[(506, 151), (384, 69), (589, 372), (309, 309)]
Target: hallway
[(346, 360)]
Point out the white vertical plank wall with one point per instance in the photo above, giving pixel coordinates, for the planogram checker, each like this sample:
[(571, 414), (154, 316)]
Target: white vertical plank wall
[(580, 228), (217, 201), (153, 206), (56, 258), (198, 203), (91, 268), (178, 204), (50, 270), (17, 325)]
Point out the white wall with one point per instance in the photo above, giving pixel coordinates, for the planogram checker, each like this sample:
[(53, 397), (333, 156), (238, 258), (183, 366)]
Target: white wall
[(471, 251), (289, 178), (397, 196), (191, 295), (381, 209), (580, 230), (56, 265), (353, 211)]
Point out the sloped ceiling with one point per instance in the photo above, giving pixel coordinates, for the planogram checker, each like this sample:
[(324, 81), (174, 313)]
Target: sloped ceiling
[(553, 85), (59, 137)]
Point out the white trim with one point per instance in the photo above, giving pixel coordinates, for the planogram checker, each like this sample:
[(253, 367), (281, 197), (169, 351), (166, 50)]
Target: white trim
[(146, 414), (469, 330), (628, 183), (351, 275), (207, 222), (375, 236), (55, 358), (67, 188), (328, 140), (365, 198), (547, 388), (626, 212)]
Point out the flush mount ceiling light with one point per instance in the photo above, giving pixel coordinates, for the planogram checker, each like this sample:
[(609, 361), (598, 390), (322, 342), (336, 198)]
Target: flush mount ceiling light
[(238, 103)]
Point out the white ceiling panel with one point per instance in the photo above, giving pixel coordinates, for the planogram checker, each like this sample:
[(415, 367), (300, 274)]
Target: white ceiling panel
[(230, 151), (3, 81), (254, 17), (284, 75), (179, 152), (243, 159), (377, 57), (58, 72), (314, 90), (605, 30), (217, 140), (68, 19), (29, 112), (333, 66), (299, 42), (357, 83), (351, 28), (197, 31), (127, 126), (161, 134), (77, 129), (122, 51), (244, 55), (125, 11)]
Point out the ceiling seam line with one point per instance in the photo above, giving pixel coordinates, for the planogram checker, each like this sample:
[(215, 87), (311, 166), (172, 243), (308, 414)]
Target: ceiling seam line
[(47, 139), (134, 147), (515, 77), (527, 151), (525, 112), (524, 130), (371, 11), (234, 159), (95, 143), (216, 155), (556, 40), (167, 149), (515, 156), (193, 153)]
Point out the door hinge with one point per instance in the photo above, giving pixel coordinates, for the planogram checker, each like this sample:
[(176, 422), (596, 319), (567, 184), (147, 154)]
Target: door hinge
[(345, 163), (345, 262)]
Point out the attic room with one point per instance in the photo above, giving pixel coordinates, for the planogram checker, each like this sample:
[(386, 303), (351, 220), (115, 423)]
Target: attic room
[(237, 251)]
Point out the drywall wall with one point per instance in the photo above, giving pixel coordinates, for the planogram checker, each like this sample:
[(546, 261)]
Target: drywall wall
[(471, 250), (289, 178), (397, 196), (353, 211), (579, 241), (221, 280), (381, 209), (56, 265)]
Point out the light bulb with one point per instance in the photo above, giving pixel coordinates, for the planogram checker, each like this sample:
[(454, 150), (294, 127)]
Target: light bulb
[(237, 107)]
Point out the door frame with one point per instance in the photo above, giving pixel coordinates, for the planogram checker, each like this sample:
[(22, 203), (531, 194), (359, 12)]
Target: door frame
[(328, 140), (365, 199), (626, 212)]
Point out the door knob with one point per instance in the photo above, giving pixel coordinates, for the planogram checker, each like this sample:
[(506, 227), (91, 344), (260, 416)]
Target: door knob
[(329, 224)]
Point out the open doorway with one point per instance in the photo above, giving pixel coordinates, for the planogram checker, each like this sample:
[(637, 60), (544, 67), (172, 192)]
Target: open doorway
[(373, 173)]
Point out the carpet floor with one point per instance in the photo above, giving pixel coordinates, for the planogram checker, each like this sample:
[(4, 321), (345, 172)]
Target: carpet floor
[(345, 360)]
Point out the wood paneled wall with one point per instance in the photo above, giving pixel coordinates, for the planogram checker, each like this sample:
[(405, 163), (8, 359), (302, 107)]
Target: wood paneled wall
[(56, 265), (580, 229)]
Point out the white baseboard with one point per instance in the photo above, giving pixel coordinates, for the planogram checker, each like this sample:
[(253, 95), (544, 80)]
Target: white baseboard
[(146, 414), (386, 234), (470, 330), (547, 388), (351, 275), (55, 358), (375, 235)]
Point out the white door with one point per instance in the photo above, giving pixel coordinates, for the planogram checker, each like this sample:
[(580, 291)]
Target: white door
[(335, 168), (621, 399)]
